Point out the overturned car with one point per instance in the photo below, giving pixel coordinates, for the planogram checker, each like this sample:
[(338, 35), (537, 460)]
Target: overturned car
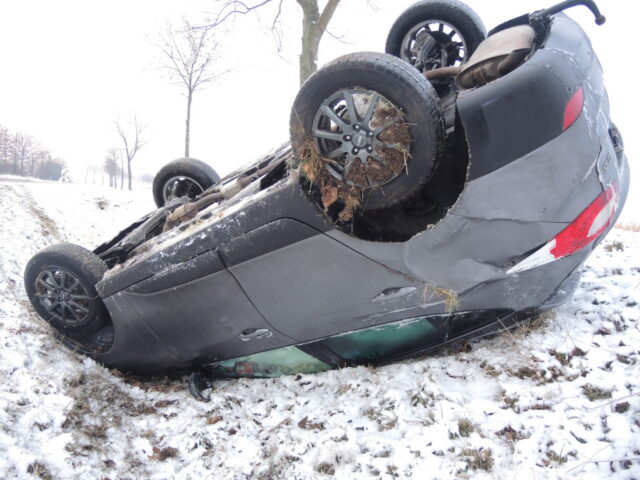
[(441, 191)]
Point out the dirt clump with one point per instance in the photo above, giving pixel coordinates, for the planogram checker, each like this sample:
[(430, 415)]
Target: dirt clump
[(341, 198)]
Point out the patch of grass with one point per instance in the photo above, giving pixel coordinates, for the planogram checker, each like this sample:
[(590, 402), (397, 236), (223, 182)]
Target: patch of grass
[(510, 402), (511, 434), (386, 453), (422, 398), (40, 470), (385, 419), (392, 470), (594, 393), (621, 407), (534, 324), (47, 225), (478, 458), (628, 227), (465, 427), (555, 457), (312, 166), (102, 203), (616, 245), (489, 369), (325, 468), (310, 162), (276, 467), (562, 357), (162, 454), (527, 372)]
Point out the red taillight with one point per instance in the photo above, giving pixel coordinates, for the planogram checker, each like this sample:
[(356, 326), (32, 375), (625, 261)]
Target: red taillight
[(588, 226), (573, 109)]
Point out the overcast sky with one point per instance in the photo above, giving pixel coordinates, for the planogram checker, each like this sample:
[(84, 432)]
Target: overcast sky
[(71, 67)]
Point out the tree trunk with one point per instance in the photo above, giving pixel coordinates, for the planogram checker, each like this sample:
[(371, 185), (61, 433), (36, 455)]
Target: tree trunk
[(188, 124), (309, 52), (129, 171), (314, 25), (121, 172)]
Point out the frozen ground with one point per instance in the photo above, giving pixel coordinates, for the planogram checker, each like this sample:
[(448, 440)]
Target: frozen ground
[(558, 399)]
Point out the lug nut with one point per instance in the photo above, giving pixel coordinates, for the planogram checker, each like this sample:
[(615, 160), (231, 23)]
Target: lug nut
[(369, 134), (347, 138), (369, 149), (356, 150), (356, 128)]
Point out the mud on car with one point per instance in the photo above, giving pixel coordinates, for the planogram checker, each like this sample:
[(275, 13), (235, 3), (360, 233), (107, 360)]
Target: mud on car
[(445, 189)]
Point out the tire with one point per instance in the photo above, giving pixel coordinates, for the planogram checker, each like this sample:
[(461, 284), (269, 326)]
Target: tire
[(446, 14), (394, 81), (198, 175), (67, 264)]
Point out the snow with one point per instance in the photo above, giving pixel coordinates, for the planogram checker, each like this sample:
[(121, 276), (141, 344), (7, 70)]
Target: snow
[(513, 404)]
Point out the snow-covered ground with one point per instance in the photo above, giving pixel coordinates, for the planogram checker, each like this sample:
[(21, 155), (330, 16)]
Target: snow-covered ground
[(556, 399)]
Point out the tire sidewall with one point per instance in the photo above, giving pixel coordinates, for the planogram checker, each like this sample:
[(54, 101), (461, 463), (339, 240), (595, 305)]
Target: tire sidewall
[(45, 260), (196, 170)]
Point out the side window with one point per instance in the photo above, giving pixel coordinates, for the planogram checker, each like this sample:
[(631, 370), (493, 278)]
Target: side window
[(389, 341), (463, 323), (283, 361)]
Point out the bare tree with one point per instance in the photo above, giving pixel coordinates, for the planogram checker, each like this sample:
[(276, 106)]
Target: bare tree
[(22, 154), (314, 25), (131, 137), (38, 157), (22, 148), (5, 150), (112, 167), (189, 55)]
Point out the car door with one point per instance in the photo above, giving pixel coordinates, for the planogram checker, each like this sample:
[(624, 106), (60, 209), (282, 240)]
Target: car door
[(305, 283)]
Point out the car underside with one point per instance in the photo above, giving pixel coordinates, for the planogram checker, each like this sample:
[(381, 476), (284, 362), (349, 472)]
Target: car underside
[(425, 198)]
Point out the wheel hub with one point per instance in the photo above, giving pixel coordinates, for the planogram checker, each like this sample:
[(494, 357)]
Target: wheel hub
[(179, 186), (359, 140), (361, 125), (63, 296)]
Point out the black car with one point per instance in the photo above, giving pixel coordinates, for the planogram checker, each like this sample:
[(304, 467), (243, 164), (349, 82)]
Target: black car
[(440, 191)]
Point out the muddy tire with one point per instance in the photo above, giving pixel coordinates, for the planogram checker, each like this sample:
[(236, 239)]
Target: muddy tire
[(60, 283), (184, 176), (342, 108), (432, 29)]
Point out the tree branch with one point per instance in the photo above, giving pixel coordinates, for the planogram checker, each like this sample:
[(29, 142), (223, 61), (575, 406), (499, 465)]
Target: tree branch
[(325, 16), (236, 7)]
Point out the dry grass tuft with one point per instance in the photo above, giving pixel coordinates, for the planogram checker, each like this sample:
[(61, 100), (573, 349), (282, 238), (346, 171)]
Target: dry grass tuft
[(325, 468), (594, 393), (615, 245), (40, 470), (628, 227), (555, 457), (478, 459), (449, 297), (510, 434), (310, 162), (465, 427), (311, 165)]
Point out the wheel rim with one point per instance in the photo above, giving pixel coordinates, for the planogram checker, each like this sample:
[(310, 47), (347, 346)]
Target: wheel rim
[(179, 186), (433, 44), (362, 137), (63, 296)]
